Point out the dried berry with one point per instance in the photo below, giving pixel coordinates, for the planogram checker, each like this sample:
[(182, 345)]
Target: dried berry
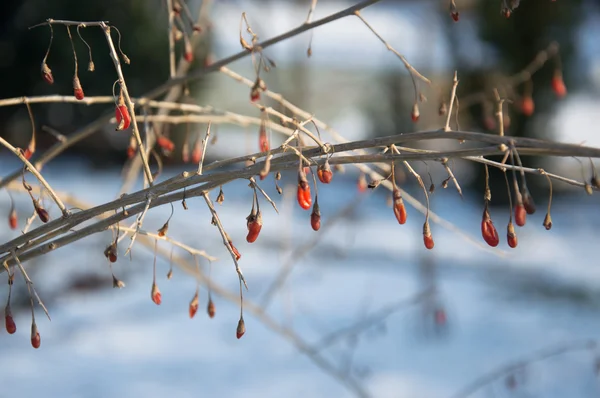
[(35, 336), (520, 215), (511, 236), (11, 327), (254, 224), (315, 217), (47, 74), (210, 308), (324, 173), (241, 328), (193, 305), (13, 220)]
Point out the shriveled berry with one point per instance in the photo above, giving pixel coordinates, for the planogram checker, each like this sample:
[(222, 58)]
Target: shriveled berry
[(210, 308), (193, 305), (235, 251), (315, 217), (47, 74), (241, 328)]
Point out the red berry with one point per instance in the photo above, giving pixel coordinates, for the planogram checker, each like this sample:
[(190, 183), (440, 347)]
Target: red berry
[(254, 225), (428, 240), (77, 89), (558, 85), (189, 56), (254, 95), (165, 143), (527, 106), (122, 116), (12, 219), (415, 114), (488, 231), (36, 340), (520, 215), (399, 209), (11, 327), (156, 295), (303, 195), (324, 173)]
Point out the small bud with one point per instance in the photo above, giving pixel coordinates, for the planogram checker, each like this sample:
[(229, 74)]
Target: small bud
[(193, 306), (548, 222), (415, 114), (220, 197), (315, 217), (47, 73), (117, 283), (163, 230), (235, 251), (111, 252), (155, 294), (511, 236), (42, 213), (210, 308), (241, 328)]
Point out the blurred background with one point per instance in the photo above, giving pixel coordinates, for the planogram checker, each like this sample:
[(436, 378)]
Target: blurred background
[(354, 290)]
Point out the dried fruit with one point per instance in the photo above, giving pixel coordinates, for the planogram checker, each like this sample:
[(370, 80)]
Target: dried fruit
[(315, 217), (241, 328), (263, 140), (235, 251), (528, 201), (42, 213), (548, 222), (111, 252), (194, 305), (47, 73), (210, 308)]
